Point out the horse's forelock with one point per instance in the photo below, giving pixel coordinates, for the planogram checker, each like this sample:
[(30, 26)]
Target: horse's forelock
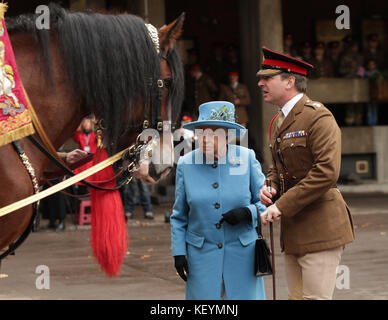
[(108, 59)]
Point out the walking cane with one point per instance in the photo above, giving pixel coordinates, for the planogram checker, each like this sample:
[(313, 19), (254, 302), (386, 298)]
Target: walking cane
[(268, 183)]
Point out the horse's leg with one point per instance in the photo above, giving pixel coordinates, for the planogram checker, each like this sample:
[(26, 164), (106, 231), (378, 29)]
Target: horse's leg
[(15, 185)]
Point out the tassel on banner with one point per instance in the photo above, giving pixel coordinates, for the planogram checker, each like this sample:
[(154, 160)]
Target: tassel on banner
[(109, 230), (3, 9)]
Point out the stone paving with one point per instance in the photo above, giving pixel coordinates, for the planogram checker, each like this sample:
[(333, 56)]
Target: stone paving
[(148, 272)]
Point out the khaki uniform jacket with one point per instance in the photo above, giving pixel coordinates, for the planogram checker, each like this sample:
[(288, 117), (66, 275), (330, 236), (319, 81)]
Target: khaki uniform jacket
[(241, 92), (315, 216)]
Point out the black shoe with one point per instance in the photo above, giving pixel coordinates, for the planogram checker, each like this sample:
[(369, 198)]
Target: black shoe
[(49, 226), (61, 226)]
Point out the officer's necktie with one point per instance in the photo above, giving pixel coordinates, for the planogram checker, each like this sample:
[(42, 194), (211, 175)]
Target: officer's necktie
[(280, 119)]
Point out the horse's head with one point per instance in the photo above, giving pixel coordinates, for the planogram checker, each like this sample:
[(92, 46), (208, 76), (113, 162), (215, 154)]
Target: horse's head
[(127, 73), (170, 86)]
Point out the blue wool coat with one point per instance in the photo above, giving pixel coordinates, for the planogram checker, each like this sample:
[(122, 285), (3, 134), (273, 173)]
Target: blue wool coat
[(217, 253)]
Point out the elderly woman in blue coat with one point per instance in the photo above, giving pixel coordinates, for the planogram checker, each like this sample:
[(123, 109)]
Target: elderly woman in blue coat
[(215, 211)]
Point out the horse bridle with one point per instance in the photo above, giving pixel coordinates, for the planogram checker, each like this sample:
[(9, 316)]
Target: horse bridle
[(141, 150)]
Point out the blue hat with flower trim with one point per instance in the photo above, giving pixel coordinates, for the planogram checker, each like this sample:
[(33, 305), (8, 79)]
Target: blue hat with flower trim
[(217, 113)]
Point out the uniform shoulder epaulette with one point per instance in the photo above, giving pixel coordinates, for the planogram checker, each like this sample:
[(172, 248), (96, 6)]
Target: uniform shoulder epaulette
[(314, 104)]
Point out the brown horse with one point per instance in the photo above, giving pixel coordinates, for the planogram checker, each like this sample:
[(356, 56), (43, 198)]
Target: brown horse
[(87, 63)]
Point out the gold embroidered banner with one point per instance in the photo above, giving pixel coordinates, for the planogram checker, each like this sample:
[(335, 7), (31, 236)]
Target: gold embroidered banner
[(15, 120)]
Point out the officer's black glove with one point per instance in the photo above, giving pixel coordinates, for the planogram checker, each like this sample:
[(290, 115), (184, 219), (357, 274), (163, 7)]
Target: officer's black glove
[(235, 216), (181, 266)]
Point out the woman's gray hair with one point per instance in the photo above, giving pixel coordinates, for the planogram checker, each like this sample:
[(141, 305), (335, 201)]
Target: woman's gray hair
[(300, 81)]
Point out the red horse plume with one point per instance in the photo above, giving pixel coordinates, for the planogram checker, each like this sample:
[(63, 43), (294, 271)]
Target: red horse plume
[(109, 230)]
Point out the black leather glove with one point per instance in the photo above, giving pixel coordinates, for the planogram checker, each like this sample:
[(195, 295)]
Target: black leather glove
[(181, 266), (235, 216)]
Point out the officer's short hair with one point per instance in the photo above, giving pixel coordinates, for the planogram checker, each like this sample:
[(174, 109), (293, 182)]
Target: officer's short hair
[(300, 81)]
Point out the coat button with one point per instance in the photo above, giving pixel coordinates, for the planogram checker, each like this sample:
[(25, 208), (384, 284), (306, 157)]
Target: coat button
[(219, 245), (214, 165), (218, 225), (217, 205), (215, 185), (278, 140)]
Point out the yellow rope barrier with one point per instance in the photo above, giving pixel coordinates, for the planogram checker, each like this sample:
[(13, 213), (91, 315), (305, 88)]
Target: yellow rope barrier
[(62, 185)]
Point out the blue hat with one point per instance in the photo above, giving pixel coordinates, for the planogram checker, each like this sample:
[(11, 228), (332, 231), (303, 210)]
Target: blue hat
[(216, 113)]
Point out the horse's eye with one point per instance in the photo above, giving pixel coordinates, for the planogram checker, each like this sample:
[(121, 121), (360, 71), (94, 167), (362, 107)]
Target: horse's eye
[(167, 82)]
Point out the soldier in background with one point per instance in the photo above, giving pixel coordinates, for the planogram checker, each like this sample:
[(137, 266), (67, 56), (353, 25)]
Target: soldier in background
[(351, 61), (192, 59), (216, 65), (238, 94), (334, 54), (306, 51), (347, 41), (232, 58), (373, 51), (200, 89), (288, 45), (323, 67), (351, 64)]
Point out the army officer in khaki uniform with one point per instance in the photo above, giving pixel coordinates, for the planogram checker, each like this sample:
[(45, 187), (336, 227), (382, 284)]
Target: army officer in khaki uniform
[(306, 150)]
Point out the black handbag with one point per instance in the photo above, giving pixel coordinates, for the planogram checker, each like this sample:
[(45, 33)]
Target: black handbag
[(263, 266)]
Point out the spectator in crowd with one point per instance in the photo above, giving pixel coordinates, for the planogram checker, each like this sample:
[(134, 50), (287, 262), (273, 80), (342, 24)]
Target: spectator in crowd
[(201, 88), (371, 108), (373, 51), (347, 41), (351, 61), (323, 67), (306, 51), (192, 59), (184, 138), (288, 45), (55, 207), (371, 68), (216, 65), (184, 142), (334, 55), (238, 94), (129, 195), (232, 58), (350, 65), (87, 141)]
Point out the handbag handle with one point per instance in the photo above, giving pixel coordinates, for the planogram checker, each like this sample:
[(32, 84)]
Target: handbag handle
[(258, 228)]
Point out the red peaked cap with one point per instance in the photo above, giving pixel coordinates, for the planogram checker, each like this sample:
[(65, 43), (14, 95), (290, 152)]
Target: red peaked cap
[(275, 63)]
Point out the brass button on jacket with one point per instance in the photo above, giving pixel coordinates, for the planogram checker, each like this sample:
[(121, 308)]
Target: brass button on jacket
[(218, 225), (214, 165), (219, 245), (217, 205), (215, 185)]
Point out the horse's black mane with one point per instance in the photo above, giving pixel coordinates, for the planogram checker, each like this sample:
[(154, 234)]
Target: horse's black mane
[(109, 59)]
